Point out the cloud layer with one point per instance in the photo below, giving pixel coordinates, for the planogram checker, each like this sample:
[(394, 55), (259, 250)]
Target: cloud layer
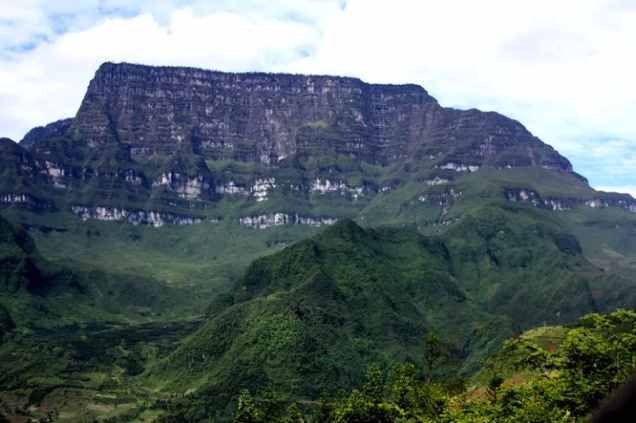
[(564, 69)]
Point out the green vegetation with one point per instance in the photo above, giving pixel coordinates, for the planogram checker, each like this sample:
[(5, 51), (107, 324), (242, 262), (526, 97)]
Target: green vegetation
[(36, 293), (309, 319), (526, 381), (301, 324), (290, 313), (457, 231)]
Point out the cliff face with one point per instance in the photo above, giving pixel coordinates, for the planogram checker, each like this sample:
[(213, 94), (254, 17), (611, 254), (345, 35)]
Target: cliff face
[(269, 117), (157, 145)]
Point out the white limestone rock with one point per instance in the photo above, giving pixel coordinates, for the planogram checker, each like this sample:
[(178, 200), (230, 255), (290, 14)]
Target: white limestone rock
[(459, 167), (261, 187), (135, 217), (265, 221)]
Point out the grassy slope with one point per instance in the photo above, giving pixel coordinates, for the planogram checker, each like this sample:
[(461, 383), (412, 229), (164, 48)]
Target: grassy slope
[(209, 257)]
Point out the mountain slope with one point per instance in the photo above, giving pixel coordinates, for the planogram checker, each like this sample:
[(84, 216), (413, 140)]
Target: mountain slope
[(311, 317), (37, 293), (20, 263), (68, 331)]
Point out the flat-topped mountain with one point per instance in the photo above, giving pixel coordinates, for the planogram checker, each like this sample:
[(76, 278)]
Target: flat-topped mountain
[(158, 146), (269, 117), (161, 145)]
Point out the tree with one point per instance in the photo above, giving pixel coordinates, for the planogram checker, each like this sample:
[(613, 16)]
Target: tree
[(294, 414), (433, 352), (494, 384), (247, 410)]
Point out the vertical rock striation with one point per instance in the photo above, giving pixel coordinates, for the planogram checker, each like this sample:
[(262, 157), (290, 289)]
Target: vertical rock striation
[(266, 118), (176, 140)]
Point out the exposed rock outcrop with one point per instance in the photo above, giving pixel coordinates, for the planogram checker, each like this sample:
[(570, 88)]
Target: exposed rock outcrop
[(135, 217), (269, 117), (604, 200), (265, 221), (24, 201), (177, 139)]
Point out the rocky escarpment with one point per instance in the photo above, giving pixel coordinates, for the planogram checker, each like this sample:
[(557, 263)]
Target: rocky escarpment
[(277, 219), (135, 217), (561, 203), (23, 200), (167, 141), (269, 117)]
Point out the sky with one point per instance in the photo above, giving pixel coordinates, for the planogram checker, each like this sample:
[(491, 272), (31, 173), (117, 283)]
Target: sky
[(565, 68)]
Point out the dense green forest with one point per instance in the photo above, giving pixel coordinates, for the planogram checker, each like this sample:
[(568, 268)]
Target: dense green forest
[(350, 325), (548, 374)]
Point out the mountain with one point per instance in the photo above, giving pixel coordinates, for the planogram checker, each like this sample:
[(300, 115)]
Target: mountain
[(148, 141), (269, 117), (150, 205), (159, 145), (310, 319), (165, 146)]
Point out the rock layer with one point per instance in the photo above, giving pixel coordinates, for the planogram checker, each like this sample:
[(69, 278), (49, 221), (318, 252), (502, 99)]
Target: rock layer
[(151, 144), (269, 117)]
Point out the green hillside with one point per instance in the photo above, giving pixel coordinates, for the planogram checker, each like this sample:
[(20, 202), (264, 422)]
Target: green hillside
[(549, 374), (40, 294), (309, 319)]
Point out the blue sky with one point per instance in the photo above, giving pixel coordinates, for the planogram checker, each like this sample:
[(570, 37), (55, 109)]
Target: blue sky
[(563, 68)]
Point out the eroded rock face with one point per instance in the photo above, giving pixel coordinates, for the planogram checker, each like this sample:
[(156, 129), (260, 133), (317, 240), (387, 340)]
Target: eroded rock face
[(268, 117), (231, 188), (183, 139), (265, 221), (521, 195), (189, 188), (23, 200), (261, 188), (135, 217), (324, 186), (460, 167)]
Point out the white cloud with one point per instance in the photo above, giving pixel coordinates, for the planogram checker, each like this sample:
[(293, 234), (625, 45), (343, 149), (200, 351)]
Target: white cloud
[(565, 69), (48, 82)]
